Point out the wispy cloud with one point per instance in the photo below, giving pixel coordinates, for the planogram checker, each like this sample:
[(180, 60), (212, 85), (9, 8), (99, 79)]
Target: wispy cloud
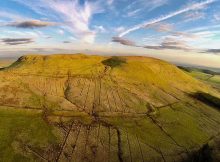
[(167, 43), (110, 2), (17, 41), (194, 6), (15, 34), (192, 16), (119, 29), (31, 24), (123, 41), (143, 5), (170, 29), (11, 16), (203, 28), (184, 34), (205, 34), (133, 13), (154, 4), (75, 17), (161, 27), (215, 51), (23, 34), (217, 16), (60, 31), (100, 29), (66, 42), (171, 43)]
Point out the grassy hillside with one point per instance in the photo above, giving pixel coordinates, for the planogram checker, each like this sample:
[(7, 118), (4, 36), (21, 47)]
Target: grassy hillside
[(207, 76), (95, 108)]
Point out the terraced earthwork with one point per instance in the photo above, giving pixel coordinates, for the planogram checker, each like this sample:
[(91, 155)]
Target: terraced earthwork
[(68, 108)]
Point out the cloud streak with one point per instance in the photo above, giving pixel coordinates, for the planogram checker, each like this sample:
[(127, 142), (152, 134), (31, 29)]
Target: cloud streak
[(170, 43), (161, 27), (12, 16), (162, 18), (167, 43), (31, 24), (143, 5), (16, 41), (215, 51), (194, 16), (123, 41)]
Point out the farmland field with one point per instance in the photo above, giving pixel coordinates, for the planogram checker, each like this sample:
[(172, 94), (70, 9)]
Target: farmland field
[(94, 108)]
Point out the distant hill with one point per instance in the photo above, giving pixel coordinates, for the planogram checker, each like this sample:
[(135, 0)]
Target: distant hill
[(6, 62), (207, 71), (208, 76), (198, 67), (97, 108)]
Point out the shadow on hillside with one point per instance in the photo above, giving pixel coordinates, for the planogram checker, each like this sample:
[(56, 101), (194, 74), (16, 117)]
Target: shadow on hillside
[(114, 61), (209, 152), (204, 154), (207, 99), (3, 68)]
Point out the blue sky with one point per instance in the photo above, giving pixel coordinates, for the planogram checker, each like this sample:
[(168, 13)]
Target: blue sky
[(181, 31)]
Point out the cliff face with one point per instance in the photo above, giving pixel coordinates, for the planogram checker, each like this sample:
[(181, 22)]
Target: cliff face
[(120, 108)]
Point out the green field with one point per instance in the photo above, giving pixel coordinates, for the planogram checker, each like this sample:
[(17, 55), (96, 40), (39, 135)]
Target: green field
[(64, 108), (207, 76), (20, 129)]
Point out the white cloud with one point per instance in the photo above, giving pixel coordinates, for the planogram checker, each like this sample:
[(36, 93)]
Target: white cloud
[(18, 34), (143, 5), (60, 31), (35, 34), (119, 29), (154, 4), (204, 28), (72, 38), (195, 6), (192, 16), (110, 2), (216, 17), (205, 34), (133, 13), (74, 16), (100, 29), (162, 27), (11, 16), (171, 43)]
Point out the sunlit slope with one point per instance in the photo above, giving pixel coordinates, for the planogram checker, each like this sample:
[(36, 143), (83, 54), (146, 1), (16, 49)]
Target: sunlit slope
[(105, 109), (133, 86)]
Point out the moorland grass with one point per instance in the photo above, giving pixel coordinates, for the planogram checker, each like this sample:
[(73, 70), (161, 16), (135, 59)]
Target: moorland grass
[(26, 126)]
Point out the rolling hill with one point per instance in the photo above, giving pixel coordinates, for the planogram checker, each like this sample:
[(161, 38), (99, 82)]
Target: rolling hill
[(95, 108)]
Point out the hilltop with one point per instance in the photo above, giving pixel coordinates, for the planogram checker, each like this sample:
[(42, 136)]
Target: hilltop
[(119, 108)]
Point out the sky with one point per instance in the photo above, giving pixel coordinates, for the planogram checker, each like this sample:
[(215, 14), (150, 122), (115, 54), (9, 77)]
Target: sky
[(179, 31)]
